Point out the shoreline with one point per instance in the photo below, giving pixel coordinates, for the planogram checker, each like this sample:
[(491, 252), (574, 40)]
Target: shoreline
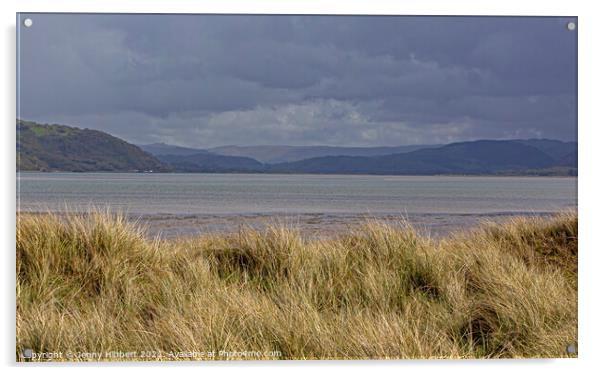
[(575, 176), (310, 225)]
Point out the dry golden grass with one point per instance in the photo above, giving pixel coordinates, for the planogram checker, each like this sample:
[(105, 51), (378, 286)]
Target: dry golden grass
[(94, 283)]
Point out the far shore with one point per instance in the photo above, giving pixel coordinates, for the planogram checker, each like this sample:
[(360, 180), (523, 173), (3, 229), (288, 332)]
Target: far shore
[(312, 174)]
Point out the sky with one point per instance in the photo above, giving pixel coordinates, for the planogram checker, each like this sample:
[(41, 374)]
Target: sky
[(207, 80)]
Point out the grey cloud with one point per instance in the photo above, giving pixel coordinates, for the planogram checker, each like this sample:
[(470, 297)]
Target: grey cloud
[(210, 80)]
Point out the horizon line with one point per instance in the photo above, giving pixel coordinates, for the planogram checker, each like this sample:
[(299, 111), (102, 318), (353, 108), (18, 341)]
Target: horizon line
[(310, 145), (350, 146)]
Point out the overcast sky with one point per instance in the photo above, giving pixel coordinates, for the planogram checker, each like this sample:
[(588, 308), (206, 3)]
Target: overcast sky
[(205, 81)]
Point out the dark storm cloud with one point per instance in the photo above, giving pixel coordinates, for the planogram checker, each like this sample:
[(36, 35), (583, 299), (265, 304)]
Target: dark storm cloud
[(212, 80)]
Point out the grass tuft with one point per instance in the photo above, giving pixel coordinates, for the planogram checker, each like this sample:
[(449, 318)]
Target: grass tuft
[(96, 283)]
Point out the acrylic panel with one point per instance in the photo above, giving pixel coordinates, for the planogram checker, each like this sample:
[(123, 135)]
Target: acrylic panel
[(268, 187)]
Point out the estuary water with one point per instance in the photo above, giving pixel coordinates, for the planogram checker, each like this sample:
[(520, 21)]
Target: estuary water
[(176, 204)]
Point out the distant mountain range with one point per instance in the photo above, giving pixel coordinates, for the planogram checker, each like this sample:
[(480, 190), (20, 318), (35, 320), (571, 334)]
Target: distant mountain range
[(207, 162), (63, 148), (284, 154), (158, 149), (478, 157), (280, 154), (521, 157)]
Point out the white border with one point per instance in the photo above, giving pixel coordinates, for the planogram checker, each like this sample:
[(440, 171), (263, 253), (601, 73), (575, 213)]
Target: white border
[(590, 137)]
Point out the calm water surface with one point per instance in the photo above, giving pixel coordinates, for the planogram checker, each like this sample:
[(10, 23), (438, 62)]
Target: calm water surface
[(431, 200)]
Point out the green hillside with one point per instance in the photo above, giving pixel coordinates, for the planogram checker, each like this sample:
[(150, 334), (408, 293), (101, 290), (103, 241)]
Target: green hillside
[(64, 148)]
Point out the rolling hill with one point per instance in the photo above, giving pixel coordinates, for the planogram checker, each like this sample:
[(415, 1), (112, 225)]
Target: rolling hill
[(64, 148), (208, 163), (563, 152), (158, 149), (477, 157), (283, 154)]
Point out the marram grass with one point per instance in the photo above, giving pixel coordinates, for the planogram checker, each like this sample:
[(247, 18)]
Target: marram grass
[(94, 287)]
